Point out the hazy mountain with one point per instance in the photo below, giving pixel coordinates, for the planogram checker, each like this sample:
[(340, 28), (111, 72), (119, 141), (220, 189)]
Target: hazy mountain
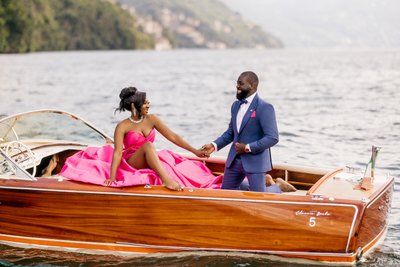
[(326, 23), (197, 24)]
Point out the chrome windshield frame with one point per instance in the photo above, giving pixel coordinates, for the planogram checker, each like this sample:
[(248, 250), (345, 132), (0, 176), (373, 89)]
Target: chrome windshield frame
[(106, 137)]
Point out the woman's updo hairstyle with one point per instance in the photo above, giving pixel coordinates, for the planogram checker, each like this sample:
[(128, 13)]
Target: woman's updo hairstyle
[(131, 95)]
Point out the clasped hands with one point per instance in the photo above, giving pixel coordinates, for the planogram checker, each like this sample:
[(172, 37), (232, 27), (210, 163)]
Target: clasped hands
[(207, 149)]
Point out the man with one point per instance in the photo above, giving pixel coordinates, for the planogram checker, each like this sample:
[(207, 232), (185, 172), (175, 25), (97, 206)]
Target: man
[(252, 132)]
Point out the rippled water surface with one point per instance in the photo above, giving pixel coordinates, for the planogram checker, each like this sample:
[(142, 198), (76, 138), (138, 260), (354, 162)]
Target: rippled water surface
[(331, 107)]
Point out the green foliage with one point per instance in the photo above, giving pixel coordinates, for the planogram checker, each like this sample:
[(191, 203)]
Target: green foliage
[(14, 18), (3, 30), (37, 25)]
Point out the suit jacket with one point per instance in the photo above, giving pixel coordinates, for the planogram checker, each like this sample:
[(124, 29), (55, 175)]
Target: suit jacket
[(258, 129)]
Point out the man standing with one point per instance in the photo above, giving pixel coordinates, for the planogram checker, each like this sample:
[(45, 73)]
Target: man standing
[(252, 132)]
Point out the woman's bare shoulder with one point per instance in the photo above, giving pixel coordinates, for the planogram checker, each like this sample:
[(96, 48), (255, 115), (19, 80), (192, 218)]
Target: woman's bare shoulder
[(152, 117), (122, 124)]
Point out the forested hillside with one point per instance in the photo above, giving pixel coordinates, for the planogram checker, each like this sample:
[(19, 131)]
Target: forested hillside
[(43, 25)]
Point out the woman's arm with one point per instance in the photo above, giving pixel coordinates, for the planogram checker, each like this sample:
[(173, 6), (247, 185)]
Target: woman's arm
[(163, 129), (118, 147)]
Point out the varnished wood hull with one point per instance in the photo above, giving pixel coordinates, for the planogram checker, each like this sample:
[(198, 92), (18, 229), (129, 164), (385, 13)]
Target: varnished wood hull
[(144, 220), (332, 220)]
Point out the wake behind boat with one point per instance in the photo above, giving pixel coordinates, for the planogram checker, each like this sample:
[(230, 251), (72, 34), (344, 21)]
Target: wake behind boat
[(329, 217)]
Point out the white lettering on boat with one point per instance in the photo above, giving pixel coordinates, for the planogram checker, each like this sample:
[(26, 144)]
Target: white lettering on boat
[(314, 213)]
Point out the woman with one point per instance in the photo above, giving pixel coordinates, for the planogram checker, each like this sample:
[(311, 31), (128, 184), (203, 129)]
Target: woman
[(134, 160)]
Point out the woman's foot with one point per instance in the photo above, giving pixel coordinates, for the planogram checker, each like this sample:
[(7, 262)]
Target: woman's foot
[(172, 185)]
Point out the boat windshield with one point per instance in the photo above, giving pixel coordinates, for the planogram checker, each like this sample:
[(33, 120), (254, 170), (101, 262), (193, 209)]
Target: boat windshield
[(50, 125)]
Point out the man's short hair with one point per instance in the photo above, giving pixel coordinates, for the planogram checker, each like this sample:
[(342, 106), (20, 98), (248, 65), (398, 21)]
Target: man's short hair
[(251, 77)]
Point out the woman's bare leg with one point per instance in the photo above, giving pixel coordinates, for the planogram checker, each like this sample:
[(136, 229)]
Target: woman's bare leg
[(146, 156), (52, 165)]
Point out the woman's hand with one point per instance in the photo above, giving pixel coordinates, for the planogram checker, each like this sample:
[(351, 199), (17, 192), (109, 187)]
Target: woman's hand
[(108, 181)]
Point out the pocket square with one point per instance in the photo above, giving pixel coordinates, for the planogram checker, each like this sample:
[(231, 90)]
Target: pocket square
[(253, 115)]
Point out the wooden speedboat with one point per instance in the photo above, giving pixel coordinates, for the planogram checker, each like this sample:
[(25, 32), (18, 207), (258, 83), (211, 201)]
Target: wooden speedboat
[(327, 219)]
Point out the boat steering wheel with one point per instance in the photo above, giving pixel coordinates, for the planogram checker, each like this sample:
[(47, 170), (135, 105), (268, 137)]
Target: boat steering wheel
[(21, 154)]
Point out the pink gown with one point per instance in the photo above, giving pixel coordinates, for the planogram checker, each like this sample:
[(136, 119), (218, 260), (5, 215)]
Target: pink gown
[(92, 165)]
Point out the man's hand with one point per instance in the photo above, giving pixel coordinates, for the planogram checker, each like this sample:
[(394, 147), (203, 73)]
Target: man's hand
[(208, 149), (239, 147)]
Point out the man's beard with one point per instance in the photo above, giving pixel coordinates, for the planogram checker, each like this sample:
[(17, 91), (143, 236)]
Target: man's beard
[(242, 95)]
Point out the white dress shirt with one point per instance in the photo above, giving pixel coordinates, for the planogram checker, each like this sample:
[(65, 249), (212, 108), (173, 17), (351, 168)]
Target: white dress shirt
[(239, 117), (242, 110)]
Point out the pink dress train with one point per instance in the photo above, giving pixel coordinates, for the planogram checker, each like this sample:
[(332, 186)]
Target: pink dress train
[(93, 166)]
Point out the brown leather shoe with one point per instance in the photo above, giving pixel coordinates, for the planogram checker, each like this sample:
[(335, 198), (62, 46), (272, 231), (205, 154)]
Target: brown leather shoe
[(285, 186)]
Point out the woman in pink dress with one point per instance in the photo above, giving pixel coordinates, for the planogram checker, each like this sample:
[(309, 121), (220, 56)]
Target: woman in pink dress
[(134, 160)]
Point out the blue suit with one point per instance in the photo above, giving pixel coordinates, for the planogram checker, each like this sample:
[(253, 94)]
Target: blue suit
[(260, 131)]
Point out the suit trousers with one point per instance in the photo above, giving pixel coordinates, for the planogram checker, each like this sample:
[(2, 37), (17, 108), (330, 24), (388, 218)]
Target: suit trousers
[(235, 174)]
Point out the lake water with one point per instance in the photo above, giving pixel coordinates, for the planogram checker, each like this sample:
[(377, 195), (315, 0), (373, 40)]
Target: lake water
[(331, 107)]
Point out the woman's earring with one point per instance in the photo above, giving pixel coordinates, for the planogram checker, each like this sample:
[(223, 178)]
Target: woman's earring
[(134, 112)]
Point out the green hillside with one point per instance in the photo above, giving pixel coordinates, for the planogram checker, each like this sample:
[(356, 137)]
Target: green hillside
[(44, 25), (201, 23)]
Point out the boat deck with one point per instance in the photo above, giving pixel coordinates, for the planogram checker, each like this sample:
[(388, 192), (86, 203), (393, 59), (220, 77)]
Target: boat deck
[(344, 185)]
